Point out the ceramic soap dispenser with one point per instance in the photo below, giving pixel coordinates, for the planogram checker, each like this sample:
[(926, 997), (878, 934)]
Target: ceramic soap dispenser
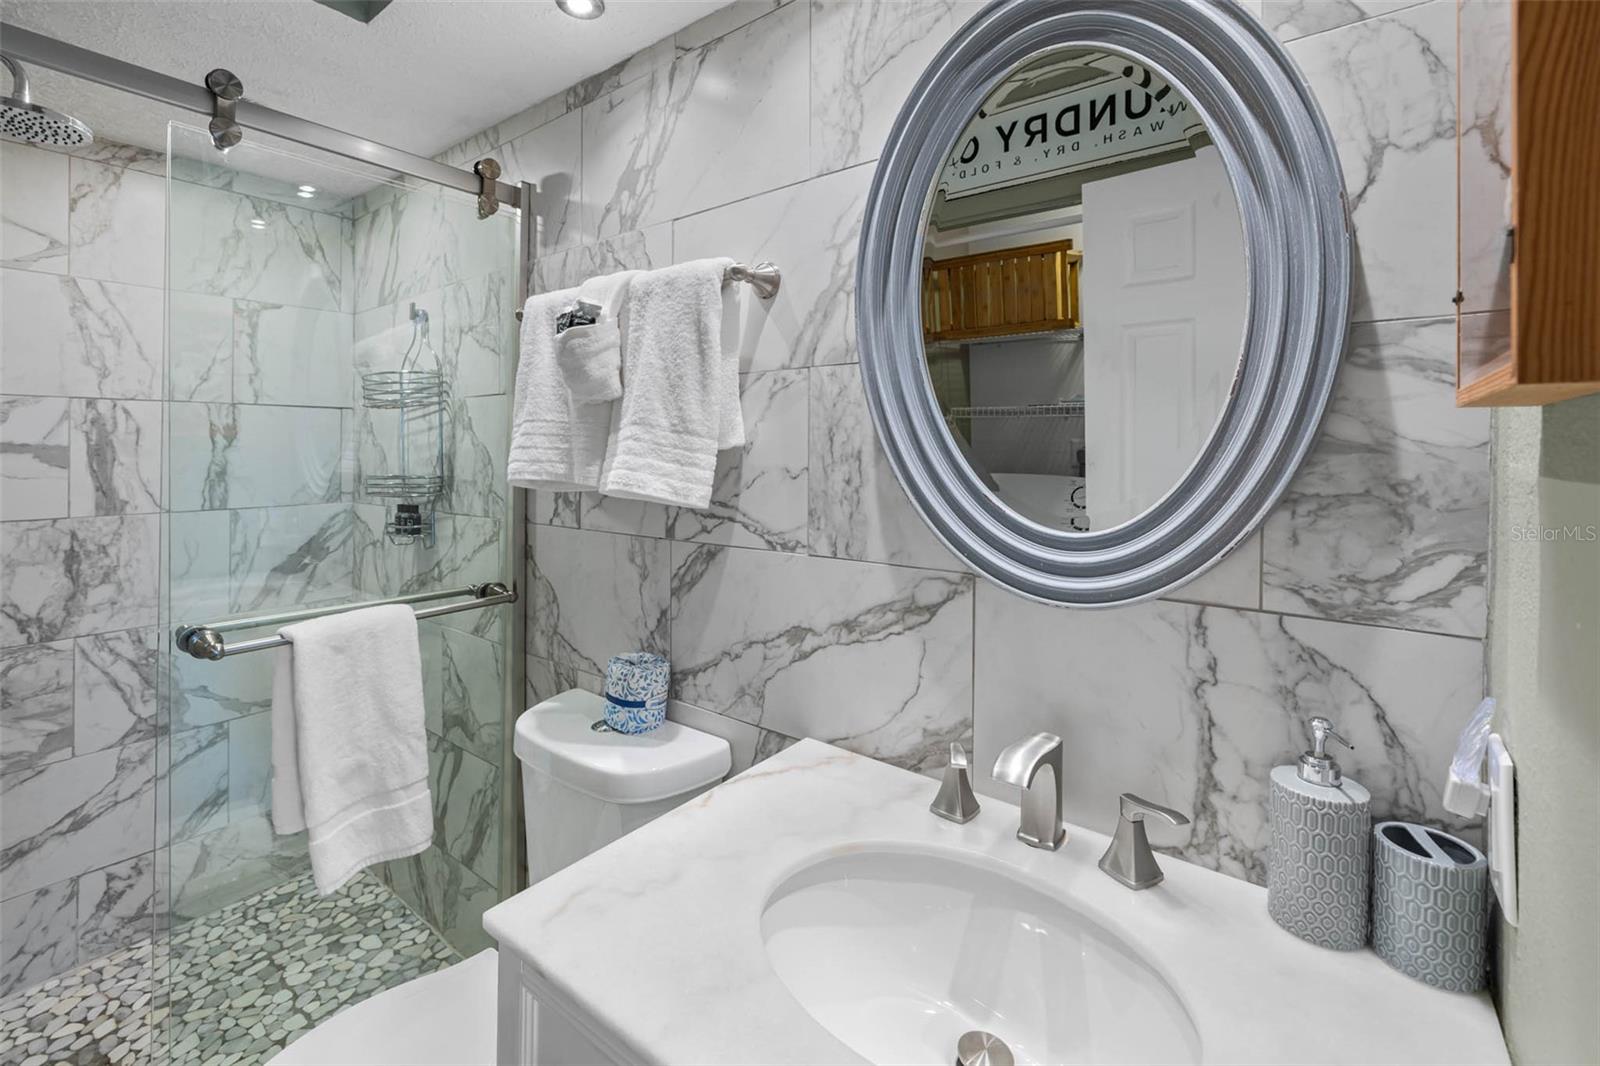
[(1319, 854)]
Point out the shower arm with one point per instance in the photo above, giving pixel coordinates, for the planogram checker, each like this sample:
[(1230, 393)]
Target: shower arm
[(19, 80)]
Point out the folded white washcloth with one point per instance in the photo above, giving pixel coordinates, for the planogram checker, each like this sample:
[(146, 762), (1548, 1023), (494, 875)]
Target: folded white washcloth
[(547, 429), (681, 400), (349, 750), (590, 356)]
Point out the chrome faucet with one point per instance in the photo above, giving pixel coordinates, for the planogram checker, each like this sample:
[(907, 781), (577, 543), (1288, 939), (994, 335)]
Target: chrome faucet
[(1033, 764), (1129, 859)]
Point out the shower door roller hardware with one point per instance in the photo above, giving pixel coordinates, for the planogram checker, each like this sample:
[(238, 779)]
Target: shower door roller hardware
[(226, 92), (488, 171)]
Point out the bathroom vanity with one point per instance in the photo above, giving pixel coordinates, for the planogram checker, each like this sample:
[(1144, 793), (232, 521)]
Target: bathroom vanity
[(813, 910)]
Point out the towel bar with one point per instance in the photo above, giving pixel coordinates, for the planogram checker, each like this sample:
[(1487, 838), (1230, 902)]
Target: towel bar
[(764, 277), (206, 641)]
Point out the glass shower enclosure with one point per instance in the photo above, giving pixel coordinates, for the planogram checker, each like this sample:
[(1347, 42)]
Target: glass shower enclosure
[(340, 351)]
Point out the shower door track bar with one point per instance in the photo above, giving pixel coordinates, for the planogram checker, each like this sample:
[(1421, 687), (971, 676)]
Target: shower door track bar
[(207, 642), (35, 48)]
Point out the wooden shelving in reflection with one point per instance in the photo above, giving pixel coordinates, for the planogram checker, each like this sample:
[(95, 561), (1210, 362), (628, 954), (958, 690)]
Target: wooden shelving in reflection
[(1032, 289)]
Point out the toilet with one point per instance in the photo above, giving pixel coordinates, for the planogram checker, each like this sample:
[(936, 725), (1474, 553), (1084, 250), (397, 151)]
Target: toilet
[(583, 786)]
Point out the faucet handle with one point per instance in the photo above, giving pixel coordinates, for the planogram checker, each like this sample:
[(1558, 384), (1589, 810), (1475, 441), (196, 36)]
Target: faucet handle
[(1134, 809), (955, 801)]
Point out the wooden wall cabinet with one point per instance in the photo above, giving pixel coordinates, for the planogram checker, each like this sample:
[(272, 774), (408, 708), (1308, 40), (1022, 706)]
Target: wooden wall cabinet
[(1528, 141)]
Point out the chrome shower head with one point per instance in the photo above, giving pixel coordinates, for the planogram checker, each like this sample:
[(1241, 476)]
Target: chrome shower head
[(23, 120)]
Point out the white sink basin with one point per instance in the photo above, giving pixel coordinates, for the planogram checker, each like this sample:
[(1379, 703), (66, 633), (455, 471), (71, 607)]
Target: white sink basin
[(899, 952)]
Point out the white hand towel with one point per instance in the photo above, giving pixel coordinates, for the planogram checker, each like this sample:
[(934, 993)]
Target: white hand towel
[(349, 751), (547, 429), (590, 356), (680, 401)]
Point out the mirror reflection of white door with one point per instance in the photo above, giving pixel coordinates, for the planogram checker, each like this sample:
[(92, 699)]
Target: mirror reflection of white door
[(1163, 296)]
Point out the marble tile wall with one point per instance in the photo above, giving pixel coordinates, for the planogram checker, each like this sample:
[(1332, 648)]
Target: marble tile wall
[(222, 468), (810, 600), (426, 248)]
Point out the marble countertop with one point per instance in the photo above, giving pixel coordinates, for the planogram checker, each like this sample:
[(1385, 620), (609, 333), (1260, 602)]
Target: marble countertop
[(658, 936)]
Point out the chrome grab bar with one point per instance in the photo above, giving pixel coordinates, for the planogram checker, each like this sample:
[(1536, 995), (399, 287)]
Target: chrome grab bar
[(206, 641)]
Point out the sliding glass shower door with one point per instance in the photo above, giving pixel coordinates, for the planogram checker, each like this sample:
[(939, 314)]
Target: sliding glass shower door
[(340, 345)]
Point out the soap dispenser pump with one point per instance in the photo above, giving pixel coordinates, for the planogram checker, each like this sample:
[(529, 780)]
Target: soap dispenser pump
[(1319, 853)]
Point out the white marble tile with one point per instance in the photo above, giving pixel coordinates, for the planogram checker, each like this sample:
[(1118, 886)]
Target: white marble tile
[(207, 693), (811, 231), (748, 744), (233, 863), (1292, 19), (480, 337), (865, 60), (446, 894), (1192, 706), (479, 431), (77, 815), (596, 595), (114, 686), (1387, 521), (38, 935), (199, 347), (33, 458), (291, 355), (76, 576), (1485, 40), (1387, 87), (197, 564), (643, 249), (466, 806), (758, 497), (117, 154), (546, 679), (115, 457), (1235, 581), (470, 715), (250, 766), (607, 514), (295, 256), (551, 157), (423, 241), (80, 337), (35, 705), (876, 659), (197, 784), (33, 217), (117, 224), (722, 22), (717, 126), (282, 557), (116, 906), (245, 455), (857, 509)]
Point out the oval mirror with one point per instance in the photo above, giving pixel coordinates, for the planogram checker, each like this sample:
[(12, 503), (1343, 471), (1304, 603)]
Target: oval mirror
[(1102, 291)]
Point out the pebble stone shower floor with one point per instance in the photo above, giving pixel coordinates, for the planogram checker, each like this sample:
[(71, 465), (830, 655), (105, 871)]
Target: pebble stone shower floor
[(244, 982)]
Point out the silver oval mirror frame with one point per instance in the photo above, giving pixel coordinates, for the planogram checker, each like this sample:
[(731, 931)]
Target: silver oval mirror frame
[(1285, 173)]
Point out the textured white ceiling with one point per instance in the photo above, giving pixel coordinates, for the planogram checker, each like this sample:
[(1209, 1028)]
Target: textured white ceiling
[(421, 76)]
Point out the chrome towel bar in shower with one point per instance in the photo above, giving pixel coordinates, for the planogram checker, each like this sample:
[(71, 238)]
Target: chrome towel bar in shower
[(764, 277), (206, 642)]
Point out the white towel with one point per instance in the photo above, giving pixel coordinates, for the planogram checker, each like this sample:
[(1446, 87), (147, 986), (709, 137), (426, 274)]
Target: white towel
[(349, 751), (680, 400), (547, 429), (590, 356)]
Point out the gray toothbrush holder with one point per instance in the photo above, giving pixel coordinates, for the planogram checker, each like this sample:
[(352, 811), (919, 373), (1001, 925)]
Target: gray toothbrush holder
[(1430, 906)]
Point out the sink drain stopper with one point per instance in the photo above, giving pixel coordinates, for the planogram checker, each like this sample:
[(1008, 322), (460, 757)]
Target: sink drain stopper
[(978, 1048)]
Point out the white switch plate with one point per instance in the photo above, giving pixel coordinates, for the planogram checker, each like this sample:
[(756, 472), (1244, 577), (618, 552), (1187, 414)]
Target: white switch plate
[(1502, 826)]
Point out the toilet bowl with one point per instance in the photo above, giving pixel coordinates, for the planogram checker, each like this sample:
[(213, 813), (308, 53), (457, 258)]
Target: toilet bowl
[(582, 788)]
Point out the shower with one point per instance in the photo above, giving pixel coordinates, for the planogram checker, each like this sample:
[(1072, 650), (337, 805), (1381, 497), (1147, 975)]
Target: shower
[(23, 120)]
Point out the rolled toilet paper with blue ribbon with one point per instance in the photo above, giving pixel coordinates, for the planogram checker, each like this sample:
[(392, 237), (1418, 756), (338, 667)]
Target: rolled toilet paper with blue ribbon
[(636, 692)]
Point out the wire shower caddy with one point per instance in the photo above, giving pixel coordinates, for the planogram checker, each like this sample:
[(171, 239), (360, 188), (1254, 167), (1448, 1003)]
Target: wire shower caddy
[(420, 397)]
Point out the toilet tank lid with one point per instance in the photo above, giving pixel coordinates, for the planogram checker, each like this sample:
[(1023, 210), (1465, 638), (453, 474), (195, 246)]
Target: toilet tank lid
[(555, 737)]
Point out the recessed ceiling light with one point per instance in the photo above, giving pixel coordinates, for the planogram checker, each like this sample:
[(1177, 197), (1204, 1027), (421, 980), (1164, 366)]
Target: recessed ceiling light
[(583, 9), (306, 192), (258, 223)]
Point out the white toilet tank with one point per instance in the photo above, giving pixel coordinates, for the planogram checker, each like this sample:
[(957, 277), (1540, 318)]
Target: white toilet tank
[(582, 788)]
